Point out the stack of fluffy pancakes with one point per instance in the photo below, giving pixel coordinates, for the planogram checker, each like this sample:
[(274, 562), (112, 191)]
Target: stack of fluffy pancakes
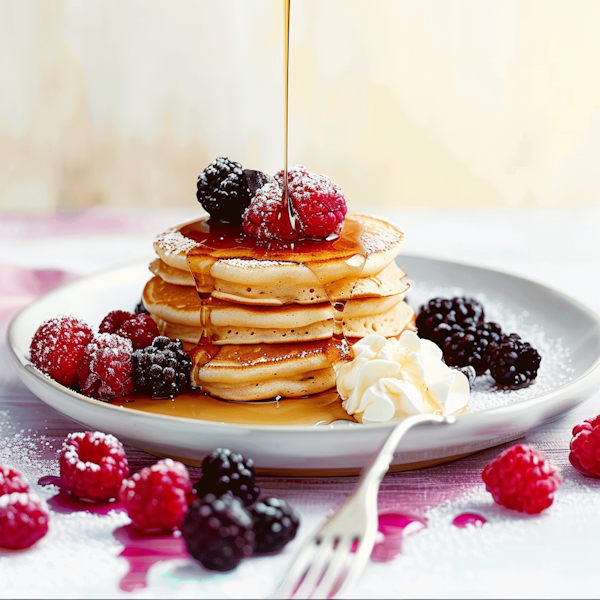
[(271, 320)]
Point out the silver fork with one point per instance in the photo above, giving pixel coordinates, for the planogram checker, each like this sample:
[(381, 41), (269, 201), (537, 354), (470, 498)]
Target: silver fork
[(326, 566)]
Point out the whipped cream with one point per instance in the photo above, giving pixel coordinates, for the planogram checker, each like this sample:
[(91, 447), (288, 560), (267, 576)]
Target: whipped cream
[(393, 379)]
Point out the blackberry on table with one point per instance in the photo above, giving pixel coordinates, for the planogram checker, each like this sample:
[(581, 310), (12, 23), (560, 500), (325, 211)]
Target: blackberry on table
[(162, 370), (223, 190), (460, 311), (275, 524), (513, 363), (218, 532), (225, 471)]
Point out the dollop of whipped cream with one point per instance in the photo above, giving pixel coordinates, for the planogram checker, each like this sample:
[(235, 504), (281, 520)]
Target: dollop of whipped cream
[(393, 379)]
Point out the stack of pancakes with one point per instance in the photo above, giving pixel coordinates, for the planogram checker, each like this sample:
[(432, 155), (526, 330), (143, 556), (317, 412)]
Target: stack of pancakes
[(271, 320)]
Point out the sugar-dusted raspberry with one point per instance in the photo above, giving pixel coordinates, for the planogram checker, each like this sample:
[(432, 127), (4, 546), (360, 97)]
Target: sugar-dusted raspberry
[(585, 447), (158, 497), (275, 524), (105, 371), (58, 347), (218, 532), (224, 471), (12, 481), (522, 478), (23, 520), (318, 206), (93, 465), (113, 320)]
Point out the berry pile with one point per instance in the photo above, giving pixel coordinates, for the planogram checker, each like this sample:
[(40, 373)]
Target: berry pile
[(23, 515), (459, 327), (127, 355), (522, 478)]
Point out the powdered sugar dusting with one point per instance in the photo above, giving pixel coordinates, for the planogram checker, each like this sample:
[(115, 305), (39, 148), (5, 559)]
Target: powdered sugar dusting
[(556, 368), (243, 263), (173, 241), (379, 239)]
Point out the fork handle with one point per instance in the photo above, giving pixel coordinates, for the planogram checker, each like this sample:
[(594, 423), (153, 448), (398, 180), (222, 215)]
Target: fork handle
[(372, 475)]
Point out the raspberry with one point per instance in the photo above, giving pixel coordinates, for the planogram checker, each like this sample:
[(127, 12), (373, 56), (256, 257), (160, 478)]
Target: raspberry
[(23, 520), (585, 447), (318, 204), (158, 497), (93, 465), (275, 524), (58, 347), (12, 481), (521, 478), (513, 363), (218, 532), (140, 328), (461, 311), (105, 372), (223, 190), (224, 472), (163, 369), (113, 320)]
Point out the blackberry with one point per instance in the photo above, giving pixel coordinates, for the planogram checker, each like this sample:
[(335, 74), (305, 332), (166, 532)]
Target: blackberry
[(275, 524), (469, 373), (470, 347), (218, 532), (461, 311), (513, 363), (256, 179), (225, 471), (140, 309), (161, 370), (223, 190)]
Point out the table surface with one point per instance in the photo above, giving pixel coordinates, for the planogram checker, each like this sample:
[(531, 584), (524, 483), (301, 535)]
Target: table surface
[(512, 555)]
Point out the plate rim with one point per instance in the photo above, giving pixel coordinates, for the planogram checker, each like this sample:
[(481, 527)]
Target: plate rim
[(28, 369)]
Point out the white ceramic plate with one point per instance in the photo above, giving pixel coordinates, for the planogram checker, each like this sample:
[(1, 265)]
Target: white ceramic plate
[(330, 449)]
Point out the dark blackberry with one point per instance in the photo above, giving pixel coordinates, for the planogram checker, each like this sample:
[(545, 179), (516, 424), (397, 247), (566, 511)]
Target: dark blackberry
[(469, 373), (161, 370), (225, 471), (140, 309), (461, 311), (513, 363), (218, 532), (275, 524), (223, 190), (256, 179), (470, 347)]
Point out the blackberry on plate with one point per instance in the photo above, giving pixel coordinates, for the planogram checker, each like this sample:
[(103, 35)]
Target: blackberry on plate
[(223, 190), (162, 370), (469, 373), (218, 532), (225, 471), (513, 363), (470, 347), (275, 524), (461, 311)]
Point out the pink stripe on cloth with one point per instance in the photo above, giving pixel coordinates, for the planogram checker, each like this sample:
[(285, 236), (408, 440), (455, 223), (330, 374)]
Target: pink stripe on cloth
[(20, 286)]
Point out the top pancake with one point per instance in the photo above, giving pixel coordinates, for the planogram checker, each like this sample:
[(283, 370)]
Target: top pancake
[(235, 274)]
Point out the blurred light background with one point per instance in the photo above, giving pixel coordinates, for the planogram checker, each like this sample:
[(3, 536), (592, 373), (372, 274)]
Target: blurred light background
[(403, 103)]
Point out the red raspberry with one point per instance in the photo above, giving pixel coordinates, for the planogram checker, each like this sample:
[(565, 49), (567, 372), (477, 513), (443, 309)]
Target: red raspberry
[(523, 479), (318, 203), (113, 320), (12, 481), (105, 371), (158, 497), (23, 520), (58, 346), (585, 447), (140, 329), (93, 465)]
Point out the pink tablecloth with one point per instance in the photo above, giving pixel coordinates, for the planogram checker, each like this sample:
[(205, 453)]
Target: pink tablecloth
[(552, 555)]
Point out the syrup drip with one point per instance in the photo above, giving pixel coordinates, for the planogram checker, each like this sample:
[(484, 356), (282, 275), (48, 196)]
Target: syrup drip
[(142, 551), (466, 519), (65, 503)]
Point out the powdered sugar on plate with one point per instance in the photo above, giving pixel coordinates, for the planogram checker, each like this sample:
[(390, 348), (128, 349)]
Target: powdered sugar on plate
[(556, 367)]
